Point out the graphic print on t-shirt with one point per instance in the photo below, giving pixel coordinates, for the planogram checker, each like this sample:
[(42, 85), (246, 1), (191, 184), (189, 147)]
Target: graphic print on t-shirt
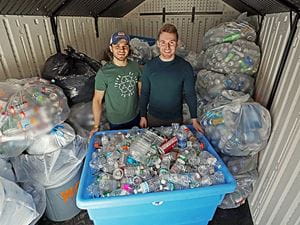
[(126, 84)]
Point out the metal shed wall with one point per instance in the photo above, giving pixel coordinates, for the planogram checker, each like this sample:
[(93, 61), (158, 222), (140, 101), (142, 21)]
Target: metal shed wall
[(276, 197)]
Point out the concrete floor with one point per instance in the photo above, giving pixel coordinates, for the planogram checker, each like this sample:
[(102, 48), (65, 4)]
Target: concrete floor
[(238, 216)]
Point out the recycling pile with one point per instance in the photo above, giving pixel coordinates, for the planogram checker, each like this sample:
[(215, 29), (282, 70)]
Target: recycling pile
[(237, 127), (28, 108), (37, 149), (141, 161)]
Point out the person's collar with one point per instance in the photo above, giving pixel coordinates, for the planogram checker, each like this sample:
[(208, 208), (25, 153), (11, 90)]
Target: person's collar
[(120, 63), (166, 60)]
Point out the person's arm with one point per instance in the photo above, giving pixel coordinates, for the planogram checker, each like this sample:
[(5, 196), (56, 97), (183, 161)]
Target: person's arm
[(97, 110), (139, 88), (191, 98), (144, 98)]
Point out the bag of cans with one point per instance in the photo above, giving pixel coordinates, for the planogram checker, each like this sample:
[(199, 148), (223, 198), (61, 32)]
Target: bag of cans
[(238, 57), (238, 129), (229, 32), (210, 84), (32, 107)]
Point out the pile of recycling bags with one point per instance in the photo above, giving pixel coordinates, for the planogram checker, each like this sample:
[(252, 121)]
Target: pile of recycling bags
[(236, 126), (38, 149), (225, 70)]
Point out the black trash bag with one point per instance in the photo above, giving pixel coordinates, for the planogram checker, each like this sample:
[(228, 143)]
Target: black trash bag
[(74, 72), (83, 57), (57, 65), (78, 86)]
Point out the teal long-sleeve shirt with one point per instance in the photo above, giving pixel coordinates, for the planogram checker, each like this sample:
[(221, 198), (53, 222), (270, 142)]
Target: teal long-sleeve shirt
[(164, 85)]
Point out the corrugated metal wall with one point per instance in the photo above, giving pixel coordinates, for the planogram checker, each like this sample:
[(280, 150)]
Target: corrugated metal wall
[(276, 198), (27, 41)]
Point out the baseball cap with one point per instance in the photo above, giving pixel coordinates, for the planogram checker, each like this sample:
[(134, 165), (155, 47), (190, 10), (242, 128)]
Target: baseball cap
[(116, 37)]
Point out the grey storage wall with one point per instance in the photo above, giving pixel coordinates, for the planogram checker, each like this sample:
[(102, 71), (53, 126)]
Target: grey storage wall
[(273, 39), (27, 41), (276, 198)]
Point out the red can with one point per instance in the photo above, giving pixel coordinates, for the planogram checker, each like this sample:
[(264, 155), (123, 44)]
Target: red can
[(168, 146)]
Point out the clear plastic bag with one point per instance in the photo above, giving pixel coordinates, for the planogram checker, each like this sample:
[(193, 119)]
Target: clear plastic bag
[(195, 59), (51, 168), (240, 165), (226, 97), (210, 84), (59, 137), (6, 170), (239, 129), (238, 57), (16, 205), (229, 32), (244, 188), (186, 114), (181, 49), (82, 120), (34, 109), (140, 51), (39, 197)]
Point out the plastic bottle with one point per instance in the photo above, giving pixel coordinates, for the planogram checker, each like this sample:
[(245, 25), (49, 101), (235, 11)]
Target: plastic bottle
[(165, 165), (152, 185), (181, 139), (217, 178), (181, 179), (108, 185), (131, 171)]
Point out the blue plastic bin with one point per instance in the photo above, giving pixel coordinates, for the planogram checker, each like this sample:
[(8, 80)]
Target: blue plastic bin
[(150, 41), (182, 207)]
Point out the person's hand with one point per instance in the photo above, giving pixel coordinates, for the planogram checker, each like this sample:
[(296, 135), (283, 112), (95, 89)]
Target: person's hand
[(143, 122), (197, 125), (94, 130)]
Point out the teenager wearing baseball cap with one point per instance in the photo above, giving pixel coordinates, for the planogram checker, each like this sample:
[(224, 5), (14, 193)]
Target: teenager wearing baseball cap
[(118, 82)]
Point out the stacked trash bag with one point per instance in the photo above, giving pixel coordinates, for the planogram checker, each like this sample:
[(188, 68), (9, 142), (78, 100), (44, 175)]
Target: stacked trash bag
[(236, 126), (74, 72), (38, 150)]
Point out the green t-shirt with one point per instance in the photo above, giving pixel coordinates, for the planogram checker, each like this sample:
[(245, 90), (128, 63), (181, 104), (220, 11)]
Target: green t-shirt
[(121, 91)]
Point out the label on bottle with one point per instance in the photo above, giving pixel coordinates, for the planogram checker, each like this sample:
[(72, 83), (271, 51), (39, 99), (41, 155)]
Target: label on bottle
[(232, 37), (217, 121)]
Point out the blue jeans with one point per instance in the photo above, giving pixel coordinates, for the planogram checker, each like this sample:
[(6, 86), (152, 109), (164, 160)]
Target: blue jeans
[(125, 126)]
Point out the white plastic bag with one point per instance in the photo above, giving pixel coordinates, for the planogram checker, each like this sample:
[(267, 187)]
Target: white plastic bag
[(52, 168), (6, 170), (16, 205), (59, 137)]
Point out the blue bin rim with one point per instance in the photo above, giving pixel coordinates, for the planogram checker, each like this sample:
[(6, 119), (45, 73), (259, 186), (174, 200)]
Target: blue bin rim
[(85, 202)]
